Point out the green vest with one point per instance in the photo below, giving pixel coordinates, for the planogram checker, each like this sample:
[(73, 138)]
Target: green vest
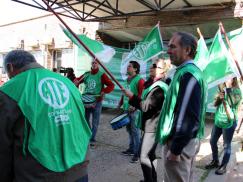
[(232, 101), (234, 98), (145, 93), (133, 87), (167, 115), (93, 83), (56, 132)]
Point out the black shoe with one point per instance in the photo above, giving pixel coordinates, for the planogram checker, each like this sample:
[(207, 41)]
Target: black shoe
[(221, 170), (134, 159), (212, 164), (92, 145), (127, 153)]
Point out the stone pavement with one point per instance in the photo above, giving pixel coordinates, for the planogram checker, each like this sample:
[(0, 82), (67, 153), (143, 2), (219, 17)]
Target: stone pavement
[(108, 165)]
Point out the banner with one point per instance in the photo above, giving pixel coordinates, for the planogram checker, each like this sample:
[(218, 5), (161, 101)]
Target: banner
[(150, 47), (221, 66), (116, 59)]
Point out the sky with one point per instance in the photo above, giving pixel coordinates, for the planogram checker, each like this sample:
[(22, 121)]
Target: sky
[(11, 11)]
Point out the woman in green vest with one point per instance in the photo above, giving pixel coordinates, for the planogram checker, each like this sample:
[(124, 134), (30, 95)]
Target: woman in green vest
[(150, 105), (225, 124)]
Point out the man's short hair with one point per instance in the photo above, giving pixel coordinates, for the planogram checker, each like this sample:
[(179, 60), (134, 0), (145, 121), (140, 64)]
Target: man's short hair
[(135, 65), (188, 40), (19, 58)]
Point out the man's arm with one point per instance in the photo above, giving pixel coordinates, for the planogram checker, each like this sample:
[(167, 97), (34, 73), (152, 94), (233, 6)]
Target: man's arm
[(187, 114), (9, 112), (78, 80), (108, 83), (140, 87)]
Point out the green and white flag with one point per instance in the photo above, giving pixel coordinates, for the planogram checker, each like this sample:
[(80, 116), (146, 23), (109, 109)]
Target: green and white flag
[(150, 47), (236, 38), (221, 66), (202, 56), (103, 52)]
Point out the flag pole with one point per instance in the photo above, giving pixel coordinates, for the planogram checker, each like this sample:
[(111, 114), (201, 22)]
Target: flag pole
[(81, 43), (231, 49), (199, 32)]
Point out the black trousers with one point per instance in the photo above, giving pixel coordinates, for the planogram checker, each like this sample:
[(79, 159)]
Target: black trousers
[(148, 157)]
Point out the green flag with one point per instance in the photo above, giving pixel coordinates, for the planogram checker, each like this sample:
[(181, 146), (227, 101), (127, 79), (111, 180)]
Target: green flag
[(201, 59), (221, 66), (236, 38), (149, 48), (103, 52)]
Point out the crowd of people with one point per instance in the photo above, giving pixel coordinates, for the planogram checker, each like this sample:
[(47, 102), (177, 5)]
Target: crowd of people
[(45, 128)]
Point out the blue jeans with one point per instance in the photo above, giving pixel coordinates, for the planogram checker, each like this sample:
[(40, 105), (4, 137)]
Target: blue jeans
[(134, 136), (227, 137), (95, 112), (83, 179)]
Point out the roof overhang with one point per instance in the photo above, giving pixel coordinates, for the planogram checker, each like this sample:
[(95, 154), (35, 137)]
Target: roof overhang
[(130, 20), (137, 34), (103, 10)]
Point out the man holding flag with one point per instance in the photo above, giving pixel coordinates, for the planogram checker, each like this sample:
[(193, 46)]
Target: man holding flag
[(181, 122)]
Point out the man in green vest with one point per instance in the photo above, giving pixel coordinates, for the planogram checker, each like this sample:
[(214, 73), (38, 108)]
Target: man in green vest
[(135, 84), (181, 122), (43, 132), (97, 84)]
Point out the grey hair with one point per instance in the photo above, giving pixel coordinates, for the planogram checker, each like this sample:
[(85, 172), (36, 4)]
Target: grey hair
[(19, 58), (188, 40)]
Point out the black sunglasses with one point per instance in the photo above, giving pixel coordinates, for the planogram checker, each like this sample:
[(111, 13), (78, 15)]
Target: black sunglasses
[(155, 66)]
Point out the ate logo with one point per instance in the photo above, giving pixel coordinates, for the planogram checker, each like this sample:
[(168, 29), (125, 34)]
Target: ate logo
[(91, 84), (53, 92)]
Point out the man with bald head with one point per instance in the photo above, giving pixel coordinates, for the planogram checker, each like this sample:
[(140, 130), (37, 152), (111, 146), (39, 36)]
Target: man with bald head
[(43, 132)]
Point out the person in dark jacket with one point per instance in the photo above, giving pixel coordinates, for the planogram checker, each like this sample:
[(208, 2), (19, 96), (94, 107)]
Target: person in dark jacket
[(181, 123), (43, 132), (150, 105)]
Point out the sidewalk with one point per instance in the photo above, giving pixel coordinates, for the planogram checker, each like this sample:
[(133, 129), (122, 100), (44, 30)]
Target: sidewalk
[(108, 165)]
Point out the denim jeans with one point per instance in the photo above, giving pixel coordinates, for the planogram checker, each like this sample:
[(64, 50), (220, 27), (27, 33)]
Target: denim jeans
[(95, 112), (227, 138), (133, 132), (83, 179)]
